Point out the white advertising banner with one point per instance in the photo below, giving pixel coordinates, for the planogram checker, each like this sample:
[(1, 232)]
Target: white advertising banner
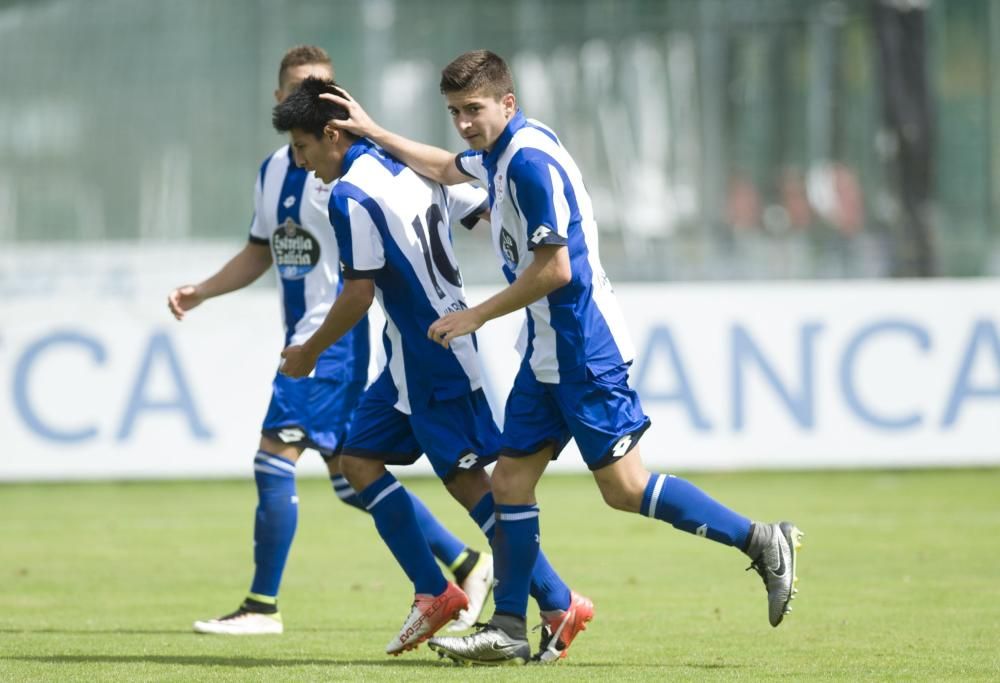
[(105, 384)]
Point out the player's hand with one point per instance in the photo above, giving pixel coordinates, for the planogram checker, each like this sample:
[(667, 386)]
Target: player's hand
[(357, 122), (183, 299), (297, 361), (452, 325)]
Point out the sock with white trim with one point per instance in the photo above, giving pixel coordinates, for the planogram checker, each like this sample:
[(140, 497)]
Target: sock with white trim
[(444, 544), (515, 551), (547, 588), (345, 492), (688, 508), (276, 519), (392, 509)]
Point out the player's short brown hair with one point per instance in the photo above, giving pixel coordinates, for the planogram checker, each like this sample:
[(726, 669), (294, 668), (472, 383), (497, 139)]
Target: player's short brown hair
[(302, 54), (478, 71)]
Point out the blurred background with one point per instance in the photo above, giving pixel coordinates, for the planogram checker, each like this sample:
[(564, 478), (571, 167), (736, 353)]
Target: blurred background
[(720, 139), (816, 143)]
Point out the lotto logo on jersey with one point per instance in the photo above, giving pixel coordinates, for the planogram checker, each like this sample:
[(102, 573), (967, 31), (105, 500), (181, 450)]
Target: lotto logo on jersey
[(296, 251)]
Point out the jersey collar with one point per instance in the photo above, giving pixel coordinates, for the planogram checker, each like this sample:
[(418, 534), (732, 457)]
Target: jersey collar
[(516, 123), (353, 152)]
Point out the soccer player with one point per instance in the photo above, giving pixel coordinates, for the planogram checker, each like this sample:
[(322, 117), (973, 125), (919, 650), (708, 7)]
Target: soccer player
[(392, 228), (290, 229), (573, 380)]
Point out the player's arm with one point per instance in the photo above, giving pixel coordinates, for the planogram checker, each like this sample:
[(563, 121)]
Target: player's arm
[(433, 162), (549, 271), (348, 309), (241, 270)]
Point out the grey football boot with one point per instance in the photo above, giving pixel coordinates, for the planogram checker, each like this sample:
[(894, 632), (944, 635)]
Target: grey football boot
[(773, 549), (489, 646)]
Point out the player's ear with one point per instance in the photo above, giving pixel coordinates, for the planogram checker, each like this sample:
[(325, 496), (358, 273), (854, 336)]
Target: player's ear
[(331, 131), (509, 104)]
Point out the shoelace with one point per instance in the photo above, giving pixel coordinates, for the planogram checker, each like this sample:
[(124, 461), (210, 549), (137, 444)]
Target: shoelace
[(758, 566)]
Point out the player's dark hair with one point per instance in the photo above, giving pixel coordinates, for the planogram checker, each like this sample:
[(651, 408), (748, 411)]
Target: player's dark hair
[(478, 71), (300, 55), (305, 110)]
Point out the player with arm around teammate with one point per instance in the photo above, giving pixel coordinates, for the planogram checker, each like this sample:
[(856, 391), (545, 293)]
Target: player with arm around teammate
[(573, 380), (290, 229), (392, 228)]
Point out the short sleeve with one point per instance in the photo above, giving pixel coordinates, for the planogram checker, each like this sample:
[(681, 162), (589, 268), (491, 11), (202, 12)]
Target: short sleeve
[(259, 234), (362, 252), (539, 188), (465, 203), (470, 162)]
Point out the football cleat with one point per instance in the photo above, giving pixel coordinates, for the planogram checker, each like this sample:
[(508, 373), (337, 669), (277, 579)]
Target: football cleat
[(477, 585), (242, 623), (428, 614), (773, 550), (560, 627), (489, 646)]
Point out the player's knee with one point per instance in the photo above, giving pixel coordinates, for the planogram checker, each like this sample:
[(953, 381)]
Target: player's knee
[(360, 472), (468, 487), (333, 466), (621, 497)]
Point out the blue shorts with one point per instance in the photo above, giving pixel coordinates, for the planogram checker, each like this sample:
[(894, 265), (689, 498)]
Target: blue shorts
[(456, 434), (603, 414), (311, 412)]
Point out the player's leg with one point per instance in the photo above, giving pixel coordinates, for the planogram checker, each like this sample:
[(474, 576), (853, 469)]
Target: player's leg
[(380, 434), (610, 448), (627, 485), (276, 518), (331, 404), (520, 566), (463, 561), (436, 600), (461, 438)]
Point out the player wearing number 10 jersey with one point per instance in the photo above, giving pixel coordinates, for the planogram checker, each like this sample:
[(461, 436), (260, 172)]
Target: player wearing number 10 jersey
[(392, 229)]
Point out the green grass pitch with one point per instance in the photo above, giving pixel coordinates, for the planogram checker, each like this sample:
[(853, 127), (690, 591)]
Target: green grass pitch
[(899, 579)]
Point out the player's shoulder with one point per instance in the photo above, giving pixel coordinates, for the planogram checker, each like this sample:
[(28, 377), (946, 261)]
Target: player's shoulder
[(527, 161), (279, 158)]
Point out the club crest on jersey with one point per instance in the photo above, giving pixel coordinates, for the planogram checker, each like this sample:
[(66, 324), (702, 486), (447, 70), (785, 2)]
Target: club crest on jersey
[(508, 248), (296, 251)]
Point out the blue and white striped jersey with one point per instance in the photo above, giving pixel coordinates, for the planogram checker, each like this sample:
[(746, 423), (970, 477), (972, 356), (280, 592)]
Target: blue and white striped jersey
[(537, 197), (290, 216), (393, 226)]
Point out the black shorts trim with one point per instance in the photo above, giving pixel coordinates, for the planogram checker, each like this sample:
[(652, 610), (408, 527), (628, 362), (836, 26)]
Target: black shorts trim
[(610, 457), (387, 458), (304, 442), (558, 447)]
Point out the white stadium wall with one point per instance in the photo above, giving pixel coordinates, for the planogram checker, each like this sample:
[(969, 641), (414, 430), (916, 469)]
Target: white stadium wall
[(98, 381)]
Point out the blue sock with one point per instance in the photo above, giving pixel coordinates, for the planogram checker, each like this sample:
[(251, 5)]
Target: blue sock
[(690, 509), (443, 543), (277, 517), (445, 546), (516, 550), (547, 588), (390, 506), (345, 492)]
